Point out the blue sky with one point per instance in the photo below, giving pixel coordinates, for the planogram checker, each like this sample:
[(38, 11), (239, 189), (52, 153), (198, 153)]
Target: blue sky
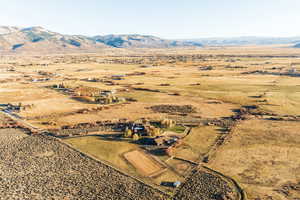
[(165, 18)]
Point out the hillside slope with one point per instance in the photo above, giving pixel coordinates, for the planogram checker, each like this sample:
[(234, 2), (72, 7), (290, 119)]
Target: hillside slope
[(40, 39), (141, 41)]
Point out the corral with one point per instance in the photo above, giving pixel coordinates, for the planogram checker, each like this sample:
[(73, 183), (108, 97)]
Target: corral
[(146, 165)]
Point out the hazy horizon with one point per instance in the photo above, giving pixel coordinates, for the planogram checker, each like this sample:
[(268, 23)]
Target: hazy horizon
[(194, 19)]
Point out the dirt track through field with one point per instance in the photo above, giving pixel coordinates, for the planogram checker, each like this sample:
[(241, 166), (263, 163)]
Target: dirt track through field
[(143, 163)]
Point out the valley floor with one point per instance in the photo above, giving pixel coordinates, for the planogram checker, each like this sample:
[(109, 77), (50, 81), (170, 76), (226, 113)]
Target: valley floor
[(241, 107)]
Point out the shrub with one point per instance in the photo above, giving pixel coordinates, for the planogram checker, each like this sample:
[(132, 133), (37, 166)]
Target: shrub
[(128, 133), (135, 137), (167, 123)]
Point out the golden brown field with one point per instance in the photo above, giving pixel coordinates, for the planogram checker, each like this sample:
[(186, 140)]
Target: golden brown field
[(246, 100)]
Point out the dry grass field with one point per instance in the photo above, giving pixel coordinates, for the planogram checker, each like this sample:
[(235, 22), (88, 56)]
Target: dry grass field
[(110, 151), (245, 109), (197, 143), (263, 156)]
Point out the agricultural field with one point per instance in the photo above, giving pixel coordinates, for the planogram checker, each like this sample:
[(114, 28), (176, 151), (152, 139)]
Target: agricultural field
[(263, 156), (197, 143), (228, 117)]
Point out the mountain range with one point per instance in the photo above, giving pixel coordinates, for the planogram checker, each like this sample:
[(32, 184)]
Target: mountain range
[(239, 41), (39, 39)]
